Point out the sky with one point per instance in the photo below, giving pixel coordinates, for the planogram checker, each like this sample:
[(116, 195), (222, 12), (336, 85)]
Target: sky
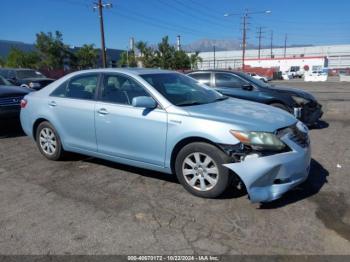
[(304, 21)]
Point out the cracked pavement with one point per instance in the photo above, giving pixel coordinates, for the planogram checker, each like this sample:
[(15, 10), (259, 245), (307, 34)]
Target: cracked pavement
[(89, 206)]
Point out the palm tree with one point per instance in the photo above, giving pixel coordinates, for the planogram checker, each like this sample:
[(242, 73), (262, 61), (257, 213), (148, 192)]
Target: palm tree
[(195, 59), (141, 46)]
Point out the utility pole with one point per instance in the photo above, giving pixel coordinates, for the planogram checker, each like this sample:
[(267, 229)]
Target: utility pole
[(245, 17), (271, 44), (260, 36), (285, 45), (99, 5), (214, 56), (244, 38)]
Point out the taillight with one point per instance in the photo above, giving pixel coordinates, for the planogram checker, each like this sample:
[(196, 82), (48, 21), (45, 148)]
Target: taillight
[(24, 103)]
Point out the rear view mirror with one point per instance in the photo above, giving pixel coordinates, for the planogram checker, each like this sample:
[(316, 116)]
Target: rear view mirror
[(144, 101), (248, 87)]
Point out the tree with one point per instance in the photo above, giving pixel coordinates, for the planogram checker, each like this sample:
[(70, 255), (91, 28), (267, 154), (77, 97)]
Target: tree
[(181, 60), (86, 57), (141, 46), (2, 62), (127, 59), (195, 59), (165, 53), (53, 52), (18, 58)]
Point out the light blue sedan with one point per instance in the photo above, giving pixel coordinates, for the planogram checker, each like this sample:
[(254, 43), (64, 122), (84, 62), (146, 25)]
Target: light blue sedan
[(168, 122)]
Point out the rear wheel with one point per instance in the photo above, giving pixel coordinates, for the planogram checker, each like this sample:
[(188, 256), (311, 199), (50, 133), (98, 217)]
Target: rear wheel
[(199, 168), (48, 141)]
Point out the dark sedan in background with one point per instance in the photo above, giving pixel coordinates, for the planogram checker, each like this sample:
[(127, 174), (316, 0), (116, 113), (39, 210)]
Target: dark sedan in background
[(301, 104), (25, 77), (10, 99)]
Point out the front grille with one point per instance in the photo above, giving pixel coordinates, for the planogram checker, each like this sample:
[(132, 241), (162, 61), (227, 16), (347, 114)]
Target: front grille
[(295, 135), (10, 101)]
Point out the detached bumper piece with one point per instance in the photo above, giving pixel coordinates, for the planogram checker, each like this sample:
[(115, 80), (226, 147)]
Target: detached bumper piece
[(268, 177), (311, 113)]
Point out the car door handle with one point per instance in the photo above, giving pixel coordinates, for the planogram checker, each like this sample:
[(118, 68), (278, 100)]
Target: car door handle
[(102, 111), (52, 103)]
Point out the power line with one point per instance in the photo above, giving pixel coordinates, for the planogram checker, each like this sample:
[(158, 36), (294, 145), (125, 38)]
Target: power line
[(245, 17), (186, 13)]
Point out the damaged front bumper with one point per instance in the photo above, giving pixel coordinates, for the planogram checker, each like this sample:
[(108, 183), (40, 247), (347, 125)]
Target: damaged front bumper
[(267, 178)]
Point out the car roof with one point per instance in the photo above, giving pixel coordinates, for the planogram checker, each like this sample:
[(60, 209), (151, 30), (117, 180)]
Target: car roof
[(214, 71), (131, 71)]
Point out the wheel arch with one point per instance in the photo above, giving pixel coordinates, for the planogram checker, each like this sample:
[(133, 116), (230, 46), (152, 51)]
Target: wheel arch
[(36, 124), (185, 141)]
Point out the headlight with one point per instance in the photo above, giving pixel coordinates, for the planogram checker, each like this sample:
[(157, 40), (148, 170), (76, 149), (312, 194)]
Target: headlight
[(299, 100), (33, 85), (259, 140)]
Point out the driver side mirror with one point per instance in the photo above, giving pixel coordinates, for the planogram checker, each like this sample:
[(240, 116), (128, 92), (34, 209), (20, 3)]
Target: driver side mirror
[(144, 101), (247, 87)]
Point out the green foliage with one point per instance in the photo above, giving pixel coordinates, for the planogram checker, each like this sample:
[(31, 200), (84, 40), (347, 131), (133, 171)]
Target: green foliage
[(127, 59), (2, 62), (195, 59), (165, 57), (18, 58), (86, 57), (165, 54), (181, 60), (52, 50)]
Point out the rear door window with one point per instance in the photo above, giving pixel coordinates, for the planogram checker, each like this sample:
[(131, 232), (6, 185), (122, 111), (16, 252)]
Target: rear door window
[(203, 78), (228, 80), (80, 87), (120, 89)]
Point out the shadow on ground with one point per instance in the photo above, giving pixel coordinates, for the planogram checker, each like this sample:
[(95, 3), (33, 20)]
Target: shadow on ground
[(10, 128), (317, 178), (320, 124)]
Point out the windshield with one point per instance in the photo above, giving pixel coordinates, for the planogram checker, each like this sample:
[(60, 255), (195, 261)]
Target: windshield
[(182, 90), (21, 74), (4, 82), (252, 80)]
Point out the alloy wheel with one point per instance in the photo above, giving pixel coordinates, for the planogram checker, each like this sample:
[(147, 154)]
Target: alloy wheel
[(48, 141), (200, 171)]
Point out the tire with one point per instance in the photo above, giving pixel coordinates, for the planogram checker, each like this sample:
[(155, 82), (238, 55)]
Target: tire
[(208, 176), (280, 106), (48, 141)]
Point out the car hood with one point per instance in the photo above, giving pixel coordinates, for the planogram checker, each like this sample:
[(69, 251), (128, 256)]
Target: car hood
[(293, 91), (246, 115), (7, 91)]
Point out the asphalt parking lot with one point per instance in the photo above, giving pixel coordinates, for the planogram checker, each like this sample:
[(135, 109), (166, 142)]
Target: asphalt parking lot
[(88, 206)]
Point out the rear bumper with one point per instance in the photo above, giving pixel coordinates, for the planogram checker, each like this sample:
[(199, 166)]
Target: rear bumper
[(268, 178)]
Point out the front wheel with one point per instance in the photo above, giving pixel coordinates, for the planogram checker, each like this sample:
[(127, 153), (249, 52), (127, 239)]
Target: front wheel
[(48, 141), (199, 168)]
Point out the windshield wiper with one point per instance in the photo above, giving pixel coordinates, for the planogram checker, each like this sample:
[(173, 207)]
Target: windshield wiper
[(189, 104)]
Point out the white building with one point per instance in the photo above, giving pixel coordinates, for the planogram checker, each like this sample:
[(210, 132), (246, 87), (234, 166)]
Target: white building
[(331, 56)]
